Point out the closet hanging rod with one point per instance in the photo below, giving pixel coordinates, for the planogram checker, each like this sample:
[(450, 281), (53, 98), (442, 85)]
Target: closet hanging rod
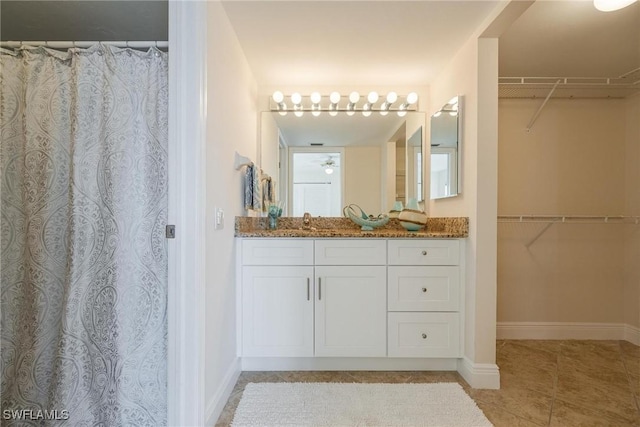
[(85, 44), (613, 219)]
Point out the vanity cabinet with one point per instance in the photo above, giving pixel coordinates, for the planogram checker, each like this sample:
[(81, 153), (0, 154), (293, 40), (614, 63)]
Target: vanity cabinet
[(334, 298)]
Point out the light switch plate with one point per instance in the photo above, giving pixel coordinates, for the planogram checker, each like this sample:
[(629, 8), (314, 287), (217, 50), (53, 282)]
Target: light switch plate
[(219, 224)]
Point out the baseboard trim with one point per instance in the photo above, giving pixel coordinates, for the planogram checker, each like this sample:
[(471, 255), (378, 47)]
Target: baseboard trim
[(632, 334), (219, 399), (347, 364), (568, 330), (479, 375)]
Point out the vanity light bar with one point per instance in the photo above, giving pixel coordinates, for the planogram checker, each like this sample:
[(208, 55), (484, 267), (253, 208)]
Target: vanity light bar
[(333, 103)]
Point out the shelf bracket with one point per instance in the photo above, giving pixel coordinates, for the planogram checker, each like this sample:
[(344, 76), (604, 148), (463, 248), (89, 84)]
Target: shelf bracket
[(540, 233), (537, 113)]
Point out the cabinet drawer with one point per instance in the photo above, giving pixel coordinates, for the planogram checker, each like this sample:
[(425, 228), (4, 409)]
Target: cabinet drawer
[(423, 288), (277, 252), (424, 335), (424, 252), (350, 252)]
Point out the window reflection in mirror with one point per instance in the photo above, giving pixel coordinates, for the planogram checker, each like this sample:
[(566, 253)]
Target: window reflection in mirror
[(445, 150)]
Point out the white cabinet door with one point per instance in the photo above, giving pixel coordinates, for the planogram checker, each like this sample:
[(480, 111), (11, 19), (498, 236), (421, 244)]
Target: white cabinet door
[(351, 311), (277, 311)]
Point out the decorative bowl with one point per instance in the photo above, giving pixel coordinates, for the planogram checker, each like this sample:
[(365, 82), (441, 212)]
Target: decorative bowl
[(412, 220), (366, 222)]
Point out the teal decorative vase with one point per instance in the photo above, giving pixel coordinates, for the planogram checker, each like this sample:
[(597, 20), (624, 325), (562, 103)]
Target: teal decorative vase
[(411, 217)]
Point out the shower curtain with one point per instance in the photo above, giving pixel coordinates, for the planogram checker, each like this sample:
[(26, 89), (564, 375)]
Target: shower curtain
[(83, 158)]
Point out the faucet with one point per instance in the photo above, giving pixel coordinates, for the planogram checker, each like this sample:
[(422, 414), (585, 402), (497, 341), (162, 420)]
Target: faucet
[(306, 221)]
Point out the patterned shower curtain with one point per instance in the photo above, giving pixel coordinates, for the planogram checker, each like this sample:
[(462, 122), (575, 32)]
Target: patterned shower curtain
[(83, 158)]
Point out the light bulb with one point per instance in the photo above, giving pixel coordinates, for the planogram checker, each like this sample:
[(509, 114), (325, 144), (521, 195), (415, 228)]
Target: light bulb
[(296, 98), (373, 97), (316, 113), (437, 114), (402, 113), (333, 113), (453, 113), (316, 98), (283, 112), (412, 98), (354, 97), (334, 97), (299, 113), (611, 5), (384, 112), (328, 170), (366, 113), (278, 97), (350, 113), (392, 97)]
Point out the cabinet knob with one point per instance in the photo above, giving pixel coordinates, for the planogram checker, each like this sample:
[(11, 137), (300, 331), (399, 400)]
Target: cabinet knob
[(424, 252), (424, 290), (424, 336)]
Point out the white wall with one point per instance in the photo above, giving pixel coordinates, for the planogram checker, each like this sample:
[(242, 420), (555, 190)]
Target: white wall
[(231, 126), (363, 178), (269, 147), (632, 208), (473, 73)]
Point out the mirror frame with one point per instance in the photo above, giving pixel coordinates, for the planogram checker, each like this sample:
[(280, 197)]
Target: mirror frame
[(459, 146)]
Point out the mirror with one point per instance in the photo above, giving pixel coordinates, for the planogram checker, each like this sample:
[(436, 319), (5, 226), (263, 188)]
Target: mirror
[(381, 162), (445, 150)]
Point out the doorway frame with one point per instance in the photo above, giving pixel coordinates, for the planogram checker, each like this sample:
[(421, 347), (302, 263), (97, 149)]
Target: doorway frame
[(291, 150), (187, 209)]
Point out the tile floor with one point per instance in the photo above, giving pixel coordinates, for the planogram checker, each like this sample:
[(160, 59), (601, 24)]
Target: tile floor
[(543, 383)]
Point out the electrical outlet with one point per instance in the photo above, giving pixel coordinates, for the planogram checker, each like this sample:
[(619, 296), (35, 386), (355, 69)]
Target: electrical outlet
[(219, 224)]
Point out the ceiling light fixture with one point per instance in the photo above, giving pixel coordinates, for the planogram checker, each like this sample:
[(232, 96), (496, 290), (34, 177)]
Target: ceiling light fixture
[(328, 166), (611, 5)]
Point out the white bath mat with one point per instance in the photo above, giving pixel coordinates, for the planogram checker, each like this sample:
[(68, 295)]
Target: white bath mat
[(340, 404)]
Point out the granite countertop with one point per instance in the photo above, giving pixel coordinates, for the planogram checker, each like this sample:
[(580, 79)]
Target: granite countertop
[(443, 228)]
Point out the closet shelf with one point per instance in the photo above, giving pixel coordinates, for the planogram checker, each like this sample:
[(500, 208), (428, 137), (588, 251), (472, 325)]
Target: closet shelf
[(571, 87)]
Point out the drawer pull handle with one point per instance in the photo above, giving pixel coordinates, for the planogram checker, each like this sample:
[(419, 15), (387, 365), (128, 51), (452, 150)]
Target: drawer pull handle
[(424, 336), (424, 290), (319, 288), (424, 252), (308, 289)]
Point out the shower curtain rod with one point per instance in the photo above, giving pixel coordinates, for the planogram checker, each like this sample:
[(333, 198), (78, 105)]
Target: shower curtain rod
[(85, 44)]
